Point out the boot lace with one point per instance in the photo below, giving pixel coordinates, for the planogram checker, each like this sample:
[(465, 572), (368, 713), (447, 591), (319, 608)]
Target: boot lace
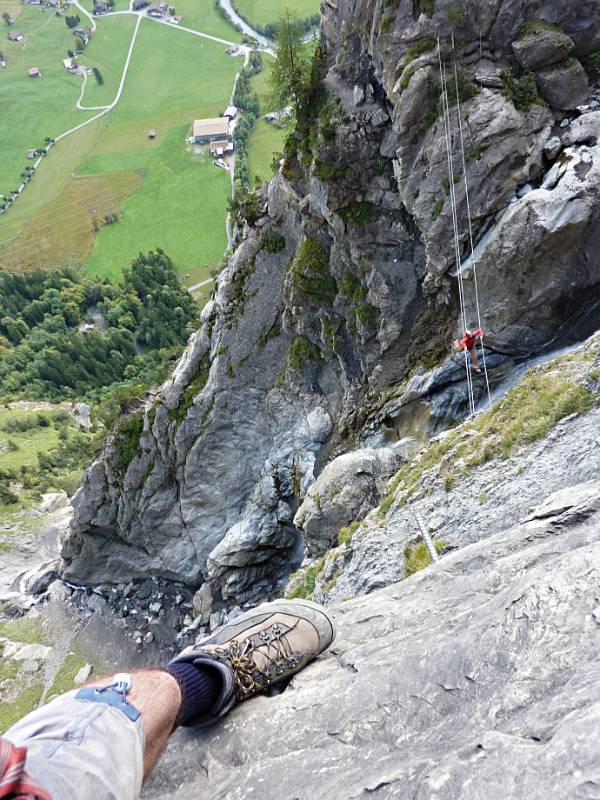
[(271, 647)]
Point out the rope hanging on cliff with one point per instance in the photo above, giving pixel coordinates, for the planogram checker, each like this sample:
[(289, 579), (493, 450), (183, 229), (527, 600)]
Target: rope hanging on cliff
[(471, 241), (461, 291)]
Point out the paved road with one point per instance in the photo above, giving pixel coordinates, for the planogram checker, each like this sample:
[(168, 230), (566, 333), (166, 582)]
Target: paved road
[(86, 13)]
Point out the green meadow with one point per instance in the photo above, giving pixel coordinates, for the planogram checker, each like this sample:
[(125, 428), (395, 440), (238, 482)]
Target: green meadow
[(33, 108), (163, 191), (108, 191), (202, 15), (18, 449), (266, 140), (262, 12), (181, 202), (107, 52)]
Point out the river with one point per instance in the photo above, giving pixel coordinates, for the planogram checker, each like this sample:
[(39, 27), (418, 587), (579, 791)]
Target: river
[(243, 25)]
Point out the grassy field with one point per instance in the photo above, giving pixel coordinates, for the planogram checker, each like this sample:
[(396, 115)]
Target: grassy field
[(181, 202), (180, 206), (28, 444), (107, 51), (172, 71), (261, 83), (20, 448), (63, 232), (33, 108), (12, 7), (164, 193), (201, 15), (261, 12), (266, 140), (21, 227)]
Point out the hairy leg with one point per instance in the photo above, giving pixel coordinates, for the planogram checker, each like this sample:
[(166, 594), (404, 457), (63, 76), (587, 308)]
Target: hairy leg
[(474, 358), (158, 696)]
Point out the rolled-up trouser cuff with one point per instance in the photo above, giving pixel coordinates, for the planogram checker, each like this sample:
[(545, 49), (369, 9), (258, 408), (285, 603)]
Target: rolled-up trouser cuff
[(81, 749)]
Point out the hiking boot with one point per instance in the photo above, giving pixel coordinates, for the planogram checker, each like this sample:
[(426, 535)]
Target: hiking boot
[(259, 649)]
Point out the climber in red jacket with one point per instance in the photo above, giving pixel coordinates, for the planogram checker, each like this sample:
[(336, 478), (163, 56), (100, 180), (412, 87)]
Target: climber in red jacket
[(467, 343)]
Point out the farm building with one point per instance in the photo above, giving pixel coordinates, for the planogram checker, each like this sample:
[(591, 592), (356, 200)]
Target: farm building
[(15, 36), (34, 72), (230, 112), (221, 147), (210, 130), (152, 134), (31, 154), (70, 64), (158, 10), (138, 5), (99, 9)]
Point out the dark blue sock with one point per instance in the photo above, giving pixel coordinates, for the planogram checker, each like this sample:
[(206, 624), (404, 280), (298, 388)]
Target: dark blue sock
[(199, 690)]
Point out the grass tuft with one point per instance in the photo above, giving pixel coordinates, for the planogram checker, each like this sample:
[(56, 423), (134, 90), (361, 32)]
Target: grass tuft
[(416, 556), (526, 414), (347, 532), (306, 588)]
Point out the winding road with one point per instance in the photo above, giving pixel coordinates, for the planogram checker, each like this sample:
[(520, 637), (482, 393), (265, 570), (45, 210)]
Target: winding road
[(103, 110), (236, 21)]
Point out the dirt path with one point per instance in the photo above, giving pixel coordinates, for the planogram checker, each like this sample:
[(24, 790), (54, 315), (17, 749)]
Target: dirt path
[(199, 285)]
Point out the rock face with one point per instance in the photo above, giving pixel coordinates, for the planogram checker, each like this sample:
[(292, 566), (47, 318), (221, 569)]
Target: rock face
[(476, 678), (347, 489), (542, 48), (564, 86), (331, 324)]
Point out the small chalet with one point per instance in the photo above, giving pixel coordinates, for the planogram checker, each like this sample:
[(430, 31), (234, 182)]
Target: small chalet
[(99, 9), (210, 130), (138, 5), (31, 154), (34, 72), (220, 148), (152, 134), (230, 112), (15, 36), (70, 64), (160, 9)]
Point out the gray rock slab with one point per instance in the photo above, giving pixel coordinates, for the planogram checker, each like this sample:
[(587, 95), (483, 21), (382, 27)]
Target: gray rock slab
[(540, 49), (563, 86), (347, 489), (83, 675), (475, 678)]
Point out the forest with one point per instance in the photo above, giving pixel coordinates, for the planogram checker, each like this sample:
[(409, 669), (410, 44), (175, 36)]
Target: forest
[(65, 337)]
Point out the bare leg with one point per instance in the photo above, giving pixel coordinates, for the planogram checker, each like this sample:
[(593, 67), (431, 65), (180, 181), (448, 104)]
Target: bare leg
[(157, 695), (475, 360)]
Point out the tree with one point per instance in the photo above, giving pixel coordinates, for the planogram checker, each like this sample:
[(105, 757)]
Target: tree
[(6, 18), (79, 44), (291, 70), (98, 76)]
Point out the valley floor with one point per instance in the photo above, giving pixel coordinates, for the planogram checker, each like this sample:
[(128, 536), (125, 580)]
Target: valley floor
[(162, 192)]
